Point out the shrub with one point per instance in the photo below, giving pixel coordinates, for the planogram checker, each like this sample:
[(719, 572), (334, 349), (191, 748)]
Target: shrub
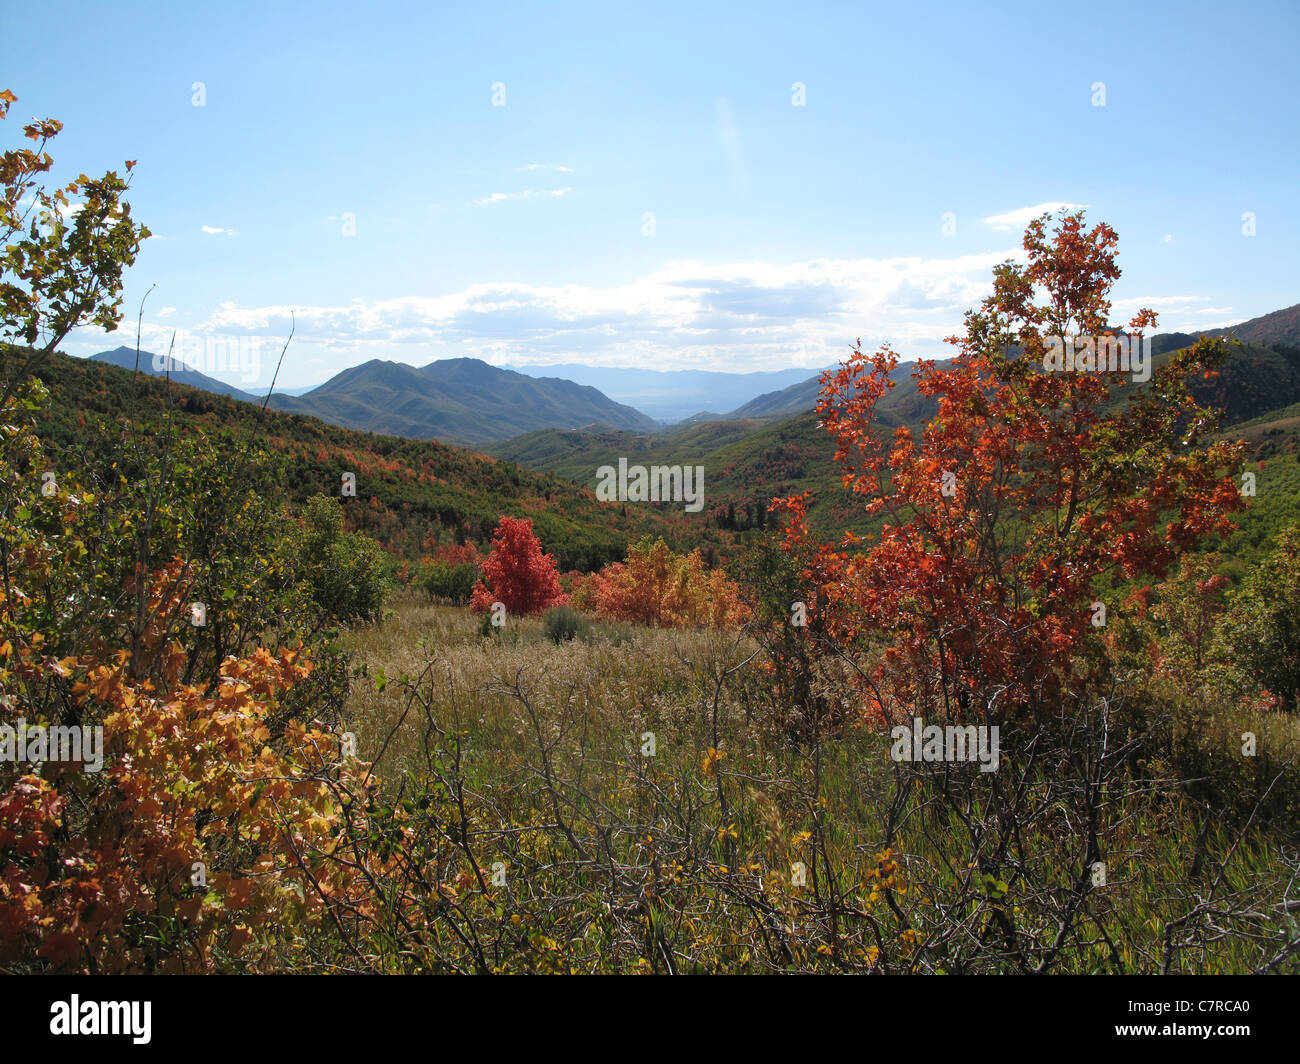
[(453, 583), (517, 573), (660, 588), (563, 622), (350, 575)]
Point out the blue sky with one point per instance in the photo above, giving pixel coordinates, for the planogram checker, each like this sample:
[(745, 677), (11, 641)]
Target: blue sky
[(649, 194)]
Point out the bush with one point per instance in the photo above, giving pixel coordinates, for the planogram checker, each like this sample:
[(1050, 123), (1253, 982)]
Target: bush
[(452, 583), (660, 588), (563, 622), (349, 573)]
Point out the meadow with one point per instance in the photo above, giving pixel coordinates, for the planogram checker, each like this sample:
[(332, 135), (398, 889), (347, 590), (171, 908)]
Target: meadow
[(732, 848)]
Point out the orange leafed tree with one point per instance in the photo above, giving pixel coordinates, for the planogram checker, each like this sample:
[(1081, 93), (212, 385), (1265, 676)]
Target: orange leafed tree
[(1024, 491), (658, 587), (205, 833), (517, 573)]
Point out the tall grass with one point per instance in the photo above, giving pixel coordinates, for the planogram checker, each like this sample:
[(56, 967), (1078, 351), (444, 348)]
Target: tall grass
[(567, 846)]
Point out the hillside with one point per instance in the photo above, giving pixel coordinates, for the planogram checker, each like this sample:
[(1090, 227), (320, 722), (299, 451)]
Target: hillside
[(792, 400), (459, 399), (125, 357), (409, 492), (1279, 328), (674, 395), (748, 461)]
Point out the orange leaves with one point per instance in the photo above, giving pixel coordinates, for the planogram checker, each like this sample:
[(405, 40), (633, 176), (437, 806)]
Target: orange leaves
[(661, 588), (191, 777), (1024, 493), (59, 948), (239, 894)]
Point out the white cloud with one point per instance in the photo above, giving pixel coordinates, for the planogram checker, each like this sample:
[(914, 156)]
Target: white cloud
[(1022, 216), (527, 194), (547, 166), (684, 315), (213, 230), (737, 316)]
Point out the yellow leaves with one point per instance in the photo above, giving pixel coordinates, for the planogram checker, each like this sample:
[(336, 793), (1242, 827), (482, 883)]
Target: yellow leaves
[(728, 832), (320, 824), (62, 667), (711, 759)]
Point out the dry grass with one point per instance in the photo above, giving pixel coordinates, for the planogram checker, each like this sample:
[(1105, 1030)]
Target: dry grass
[(529, 756)]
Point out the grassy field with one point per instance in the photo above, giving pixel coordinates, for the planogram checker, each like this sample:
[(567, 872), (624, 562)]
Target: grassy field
[(634, 802)]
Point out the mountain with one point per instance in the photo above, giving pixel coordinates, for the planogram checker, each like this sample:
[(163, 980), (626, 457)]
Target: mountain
[(411, 494), (1280, 328), (673, 395), (458, 399), (792, 400), (125, 357), (904, 401)]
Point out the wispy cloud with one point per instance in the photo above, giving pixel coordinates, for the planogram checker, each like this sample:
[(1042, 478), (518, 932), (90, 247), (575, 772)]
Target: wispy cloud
[(548, 166), (216, 230), (729, 136), (527, 194), (1020, 217)]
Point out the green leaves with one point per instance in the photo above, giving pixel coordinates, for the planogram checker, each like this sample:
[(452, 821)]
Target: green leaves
[(61, 262), (995, 888)]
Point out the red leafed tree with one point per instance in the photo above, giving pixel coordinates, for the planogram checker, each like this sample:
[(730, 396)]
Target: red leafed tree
[(517, 573), (1026, 491)]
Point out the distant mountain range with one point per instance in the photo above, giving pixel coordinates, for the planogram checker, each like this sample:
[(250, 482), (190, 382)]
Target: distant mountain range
[(672, 396), (469, 402), (125, 357), (459, 400)]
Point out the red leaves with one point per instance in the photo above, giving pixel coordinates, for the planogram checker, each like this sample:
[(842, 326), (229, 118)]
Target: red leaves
[(1026, 489), (517, 573)]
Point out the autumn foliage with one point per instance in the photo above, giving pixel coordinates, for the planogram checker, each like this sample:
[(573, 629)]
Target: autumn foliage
[(661, 588), (517, 572), (1022, 495)]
